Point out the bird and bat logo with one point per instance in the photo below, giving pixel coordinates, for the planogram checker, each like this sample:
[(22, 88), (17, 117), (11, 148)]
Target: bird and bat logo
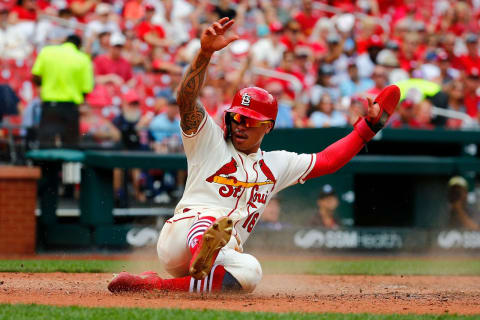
[(232, 187)]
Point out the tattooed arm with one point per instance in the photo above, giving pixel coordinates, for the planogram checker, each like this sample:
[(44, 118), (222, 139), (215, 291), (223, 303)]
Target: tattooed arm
[(212, 39), (192, 111)]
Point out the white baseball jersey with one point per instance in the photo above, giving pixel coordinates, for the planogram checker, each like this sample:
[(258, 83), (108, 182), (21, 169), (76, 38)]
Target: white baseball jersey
[(227, 182)]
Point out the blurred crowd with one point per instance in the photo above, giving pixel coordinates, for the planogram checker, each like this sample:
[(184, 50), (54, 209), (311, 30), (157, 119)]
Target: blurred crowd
[(320, 59)]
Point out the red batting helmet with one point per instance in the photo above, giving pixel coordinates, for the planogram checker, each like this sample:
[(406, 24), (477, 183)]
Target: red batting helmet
[(252, 102)]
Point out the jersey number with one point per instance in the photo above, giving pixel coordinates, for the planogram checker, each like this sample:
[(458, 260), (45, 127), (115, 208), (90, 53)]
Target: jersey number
[(250, 222)]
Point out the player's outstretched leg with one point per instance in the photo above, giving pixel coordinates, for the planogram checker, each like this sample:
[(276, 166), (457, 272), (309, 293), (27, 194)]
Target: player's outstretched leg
[(205, 239), (217, 280)]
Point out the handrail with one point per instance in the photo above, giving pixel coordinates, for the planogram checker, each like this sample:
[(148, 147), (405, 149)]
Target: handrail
[(469, 122), (296, 84), (335, 10), (64, 22)]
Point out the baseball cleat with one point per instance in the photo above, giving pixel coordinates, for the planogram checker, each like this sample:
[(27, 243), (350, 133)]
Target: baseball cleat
[(126, 282), (215, 238)]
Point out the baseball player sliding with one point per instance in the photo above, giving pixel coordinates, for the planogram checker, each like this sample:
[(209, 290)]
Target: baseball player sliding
[(230, 181)]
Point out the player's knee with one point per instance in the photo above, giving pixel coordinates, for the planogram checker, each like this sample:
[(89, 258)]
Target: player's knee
[(174, 261), (248, 274)]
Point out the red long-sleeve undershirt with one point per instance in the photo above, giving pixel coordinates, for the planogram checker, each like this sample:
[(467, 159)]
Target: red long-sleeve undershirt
[(341, 152)]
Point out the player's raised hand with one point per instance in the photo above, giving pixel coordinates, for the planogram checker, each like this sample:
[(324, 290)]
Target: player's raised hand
[(373, 109), (214, 38)]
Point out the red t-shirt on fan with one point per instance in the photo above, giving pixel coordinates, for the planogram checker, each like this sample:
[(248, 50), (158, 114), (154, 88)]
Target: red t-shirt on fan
[(471, 102), (24, 14), (106, 65), (146, 27), (307, 22)]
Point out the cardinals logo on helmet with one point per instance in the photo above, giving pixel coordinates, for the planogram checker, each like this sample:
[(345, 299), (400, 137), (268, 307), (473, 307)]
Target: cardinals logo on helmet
[(246, 100)]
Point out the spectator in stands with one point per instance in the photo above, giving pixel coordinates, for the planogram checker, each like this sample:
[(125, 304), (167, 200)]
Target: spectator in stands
[(82, 8), (300, 113), (127, 124), (288, 66), (367, 60), (472, 58), (135, 51), (8, 101), (325, 114), (462, 214), (335, 44), (96, 130), (293, 35), (166, 134), (133, 12), (175, 28), (318, 39), (50, 32), (99, 44), (304, 62), (103, 21), (112, 67), (268, 51), (354, 84), (169, 74), (209, 96), (472, 99), (405, 116), (3, 16), (3, 28), (165, 130), (270, 217), (419, 89), (31, 116), (447, 73), (388, 59), (447, 43), (327, 203), (17, 28), (455, 102), (65, 75), (250, 18), (25, 10), (324, 85), (151, 33), (127, 121), (434, 44), (224, 8), (276, 10), (284, 115), (307, 17), (380, 79), (411, 54)]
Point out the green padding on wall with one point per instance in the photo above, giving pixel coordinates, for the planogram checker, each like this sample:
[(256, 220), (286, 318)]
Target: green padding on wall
[(114, 235), (314, 140), (67, 235), (130, 159), (66, 155)]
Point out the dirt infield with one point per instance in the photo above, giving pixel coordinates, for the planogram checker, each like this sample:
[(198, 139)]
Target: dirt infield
[(276, 293)]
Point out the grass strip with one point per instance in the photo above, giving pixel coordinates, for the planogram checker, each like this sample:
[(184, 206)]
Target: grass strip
[(376, 267), (20, 312), (388, 266)]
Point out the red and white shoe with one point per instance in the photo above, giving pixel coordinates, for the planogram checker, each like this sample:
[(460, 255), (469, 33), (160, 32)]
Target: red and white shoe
[(214, 239), (126, 282)]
